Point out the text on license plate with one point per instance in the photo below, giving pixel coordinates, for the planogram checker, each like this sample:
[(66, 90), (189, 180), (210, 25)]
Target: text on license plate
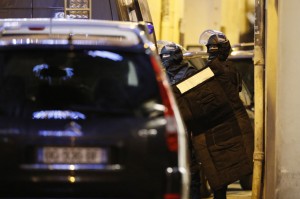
[(73, 155)]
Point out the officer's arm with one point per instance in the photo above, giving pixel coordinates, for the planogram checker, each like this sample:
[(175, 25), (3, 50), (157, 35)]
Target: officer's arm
[(235, 76)]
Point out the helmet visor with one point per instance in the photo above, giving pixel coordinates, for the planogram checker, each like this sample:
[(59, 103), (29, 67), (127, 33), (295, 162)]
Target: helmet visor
[(207, 35), (204, 37)]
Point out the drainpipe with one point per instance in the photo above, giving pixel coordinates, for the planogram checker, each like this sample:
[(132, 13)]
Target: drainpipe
[(259, 66)]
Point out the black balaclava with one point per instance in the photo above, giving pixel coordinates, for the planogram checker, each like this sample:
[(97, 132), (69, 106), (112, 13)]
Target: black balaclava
[(217, 44), (171, 55)]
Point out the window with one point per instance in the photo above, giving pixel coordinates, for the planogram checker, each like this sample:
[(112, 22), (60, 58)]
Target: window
[(84, 81)]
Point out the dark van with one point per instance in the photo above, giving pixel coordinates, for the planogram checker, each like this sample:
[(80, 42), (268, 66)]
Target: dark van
[(115, 10)]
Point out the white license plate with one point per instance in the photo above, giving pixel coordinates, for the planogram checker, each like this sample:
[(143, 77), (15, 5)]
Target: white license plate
[(73, 155)]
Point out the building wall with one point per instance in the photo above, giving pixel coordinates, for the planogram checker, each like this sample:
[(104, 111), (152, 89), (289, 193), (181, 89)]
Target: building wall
[(233, 19), (167, 16), (155, 9), (198, 16), (228, 16), (183, 21), (287, 134), (271, 88)]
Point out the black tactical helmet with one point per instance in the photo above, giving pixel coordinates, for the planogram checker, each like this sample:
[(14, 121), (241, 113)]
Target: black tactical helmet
[(217, 44), (171, 54)]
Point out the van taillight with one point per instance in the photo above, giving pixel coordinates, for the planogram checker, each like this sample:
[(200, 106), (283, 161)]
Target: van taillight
[(171, 125), (36, 28), (172, 196)]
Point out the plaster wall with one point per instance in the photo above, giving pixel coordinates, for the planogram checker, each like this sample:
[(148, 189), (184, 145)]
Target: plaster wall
[(271, 68), (228, 16), (288, 103), (182, 21)]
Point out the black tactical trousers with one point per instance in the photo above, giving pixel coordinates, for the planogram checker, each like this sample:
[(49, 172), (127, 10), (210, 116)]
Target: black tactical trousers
[(195, 174), (220, 193)]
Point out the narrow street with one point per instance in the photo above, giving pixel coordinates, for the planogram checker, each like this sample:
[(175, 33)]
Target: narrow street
[(235, 192)]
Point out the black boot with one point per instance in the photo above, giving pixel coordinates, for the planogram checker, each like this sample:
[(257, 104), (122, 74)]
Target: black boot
[(195, 175), (195, 185), (220, 193)]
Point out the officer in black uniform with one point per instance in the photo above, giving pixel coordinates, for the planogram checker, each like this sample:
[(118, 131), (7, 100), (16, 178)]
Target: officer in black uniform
[(221, 130), (172, 58)]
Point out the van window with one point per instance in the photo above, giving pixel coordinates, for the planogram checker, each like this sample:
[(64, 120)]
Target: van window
[(84, 80)]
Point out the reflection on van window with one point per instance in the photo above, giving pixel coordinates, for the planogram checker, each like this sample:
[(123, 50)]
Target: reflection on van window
[(58, 115), (43, 72), (105, 54)]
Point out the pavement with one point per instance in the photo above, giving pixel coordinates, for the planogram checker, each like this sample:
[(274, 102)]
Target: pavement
[(236, 192)]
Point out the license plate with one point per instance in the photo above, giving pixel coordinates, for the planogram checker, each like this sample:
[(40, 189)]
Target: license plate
[(73, 155)]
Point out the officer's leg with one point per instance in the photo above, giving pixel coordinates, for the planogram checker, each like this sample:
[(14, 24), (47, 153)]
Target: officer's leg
[(195, 174), (195, 178), (220, 193)]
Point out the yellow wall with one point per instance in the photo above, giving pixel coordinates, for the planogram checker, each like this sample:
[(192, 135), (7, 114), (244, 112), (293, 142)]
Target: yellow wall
[(189, 18), (155, 9), (271, 97), (233, 19), (287, 136), (167, 19)]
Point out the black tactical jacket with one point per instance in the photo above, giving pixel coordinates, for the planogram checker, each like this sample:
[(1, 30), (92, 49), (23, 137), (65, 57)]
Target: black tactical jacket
[(222, 133), (178, 72)]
